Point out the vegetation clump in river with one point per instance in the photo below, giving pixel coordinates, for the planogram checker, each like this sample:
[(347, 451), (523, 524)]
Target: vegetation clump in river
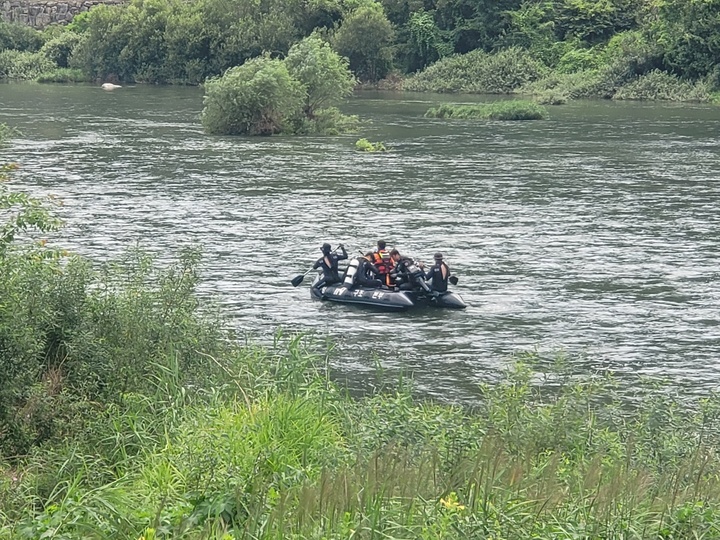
[(364, 145), (128, 410), (499, 110), (265, 95)]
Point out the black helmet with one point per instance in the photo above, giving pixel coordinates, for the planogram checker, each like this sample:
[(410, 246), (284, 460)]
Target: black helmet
[(326, 248), (438, 256)]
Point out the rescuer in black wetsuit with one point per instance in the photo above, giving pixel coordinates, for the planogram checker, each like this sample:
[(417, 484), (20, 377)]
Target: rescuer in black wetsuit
[(401, 276), (329, 264), (367, 272), (438, 275)]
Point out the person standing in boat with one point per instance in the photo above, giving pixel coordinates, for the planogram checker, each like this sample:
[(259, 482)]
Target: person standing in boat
[(329, 264), (438, 275), (383, 262), (367, 274)]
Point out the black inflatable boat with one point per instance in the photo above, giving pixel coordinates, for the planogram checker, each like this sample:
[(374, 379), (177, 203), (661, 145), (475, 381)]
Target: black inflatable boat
[(378, 298), (392, 300)]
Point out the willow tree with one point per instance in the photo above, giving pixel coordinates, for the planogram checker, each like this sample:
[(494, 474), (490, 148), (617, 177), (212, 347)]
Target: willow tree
[(257, 98), (324, 74), (265, 96)]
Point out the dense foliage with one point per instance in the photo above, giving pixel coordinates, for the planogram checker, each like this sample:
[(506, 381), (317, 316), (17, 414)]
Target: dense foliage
[(266, 95), (576, 48)]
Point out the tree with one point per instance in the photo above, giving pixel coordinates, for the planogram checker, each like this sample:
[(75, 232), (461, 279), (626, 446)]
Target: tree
[(532, 27), (593, 21), (474, 24), (689, 33), (100, 53), (365, 37), (257, 98), (426, 42), (324, 74)]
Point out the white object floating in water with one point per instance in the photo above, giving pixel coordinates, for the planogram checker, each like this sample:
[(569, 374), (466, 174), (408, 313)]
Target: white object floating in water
[(110, 86)]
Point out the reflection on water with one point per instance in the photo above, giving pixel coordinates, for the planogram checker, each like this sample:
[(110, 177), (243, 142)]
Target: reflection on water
[(594, 232)]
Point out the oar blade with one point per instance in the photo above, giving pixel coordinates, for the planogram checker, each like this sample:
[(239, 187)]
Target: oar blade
[(297, 280)]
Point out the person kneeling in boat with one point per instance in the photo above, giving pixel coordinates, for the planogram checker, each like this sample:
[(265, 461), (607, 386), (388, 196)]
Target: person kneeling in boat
[(329, 264), (438, 275), (367, 274), (406, 274)]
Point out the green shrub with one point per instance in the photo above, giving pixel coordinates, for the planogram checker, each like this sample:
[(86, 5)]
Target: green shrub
[(323, 73), (265, 96), (478, 72), (62, 75), (19, 37), (60, 48), (70, 336), (256, 98), (636, 49), (26, 66), (551, 97), (578, 60), (329, 121), (499, 110), (505, 71), (594, 83), (444, 76), (661, 86)]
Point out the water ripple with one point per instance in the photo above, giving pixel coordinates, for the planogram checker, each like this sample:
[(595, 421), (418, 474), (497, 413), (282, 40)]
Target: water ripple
[(594, 232)]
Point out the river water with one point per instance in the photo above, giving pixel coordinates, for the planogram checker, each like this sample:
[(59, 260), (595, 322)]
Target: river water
[(594, 234)]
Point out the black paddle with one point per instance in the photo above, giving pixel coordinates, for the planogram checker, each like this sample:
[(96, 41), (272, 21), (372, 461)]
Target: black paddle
[(297, 280)]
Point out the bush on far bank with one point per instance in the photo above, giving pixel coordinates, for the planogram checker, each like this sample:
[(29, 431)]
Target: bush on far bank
[(661, 86), (478, 72)]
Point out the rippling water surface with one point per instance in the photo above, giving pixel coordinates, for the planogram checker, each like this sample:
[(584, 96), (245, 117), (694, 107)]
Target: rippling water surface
[(594, 232)]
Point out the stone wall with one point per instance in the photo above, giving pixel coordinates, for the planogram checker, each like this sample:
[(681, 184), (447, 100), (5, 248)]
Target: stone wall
[(40, 13)]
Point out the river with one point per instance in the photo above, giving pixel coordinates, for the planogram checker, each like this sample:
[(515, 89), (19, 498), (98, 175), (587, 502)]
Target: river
[(593, 234)]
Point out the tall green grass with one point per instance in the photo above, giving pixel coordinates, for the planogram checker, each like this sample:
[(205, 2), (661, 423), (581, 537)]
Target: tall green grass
[(277, 450)]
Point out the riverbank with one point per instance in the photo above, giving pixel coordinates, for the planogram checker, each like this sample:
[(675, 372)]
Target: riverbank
[(275, 449)]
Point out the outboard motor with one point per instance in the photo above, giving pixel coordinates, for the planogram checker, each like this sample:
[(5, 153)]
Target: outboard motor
[(350, 273)]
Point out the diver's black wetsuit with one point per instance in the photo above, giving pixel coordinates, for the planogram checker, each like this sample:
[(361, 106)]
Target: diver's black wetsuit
[(329, 265), (366, 274), (407, 280), (439, 282)]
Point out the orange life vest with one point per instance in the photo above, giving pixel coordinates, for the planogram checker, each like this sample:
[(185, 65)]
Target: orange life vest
[(382, 260)]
